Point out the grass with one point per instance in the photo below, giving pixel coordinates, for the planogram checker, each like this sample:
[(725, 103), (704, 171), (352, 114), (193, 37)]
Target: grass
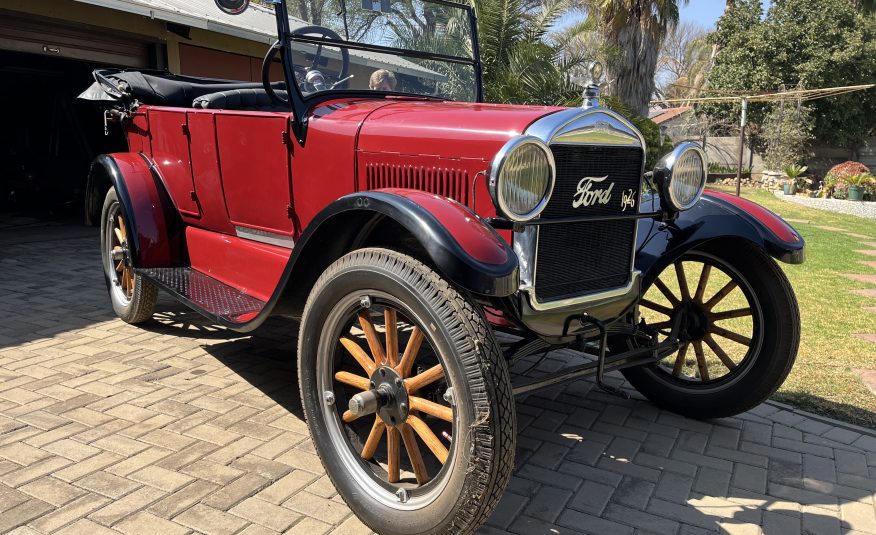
[(824, 380)]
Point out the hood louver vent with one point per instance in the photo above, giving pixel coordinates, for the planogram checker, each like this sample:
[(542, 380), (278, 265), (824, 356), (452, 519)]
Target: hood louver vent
[(444, 181)]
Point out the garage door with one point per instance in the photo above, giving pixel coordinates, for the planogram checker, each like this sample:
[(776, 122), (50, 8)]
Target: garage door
[(48, 37)]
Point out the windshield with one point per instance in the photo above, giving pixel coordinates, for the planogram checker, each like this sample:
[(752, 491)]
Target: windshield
[(421, 47)]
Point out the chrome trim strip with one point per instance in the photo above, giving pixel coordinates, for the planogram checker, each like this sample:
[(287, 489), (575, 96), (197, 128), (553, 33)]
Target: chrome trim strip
[(576, 124), (263, 236), (581, 299)]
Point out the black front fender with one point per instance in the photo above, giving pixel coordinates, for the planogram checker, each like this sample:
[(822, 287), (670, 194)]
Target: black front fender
[(717, 216)]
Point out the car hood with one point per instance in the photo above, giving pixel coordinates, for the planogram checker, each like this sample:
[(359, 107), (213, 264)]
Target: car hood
[(446, 129)]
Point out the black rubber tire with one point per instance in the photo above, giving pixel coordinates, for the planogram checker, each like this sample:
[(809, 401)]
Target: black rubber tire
[(766, 370), (142, 303), (482, 390)]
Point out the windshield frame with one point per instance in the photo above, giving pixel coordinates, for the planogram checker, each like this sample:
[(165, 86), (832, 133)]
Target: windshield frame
[(301, 102)]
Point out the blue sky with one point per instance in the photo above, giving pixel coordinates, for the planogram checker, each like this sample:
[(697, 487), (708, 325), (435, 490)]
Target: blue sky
[(703, 12)]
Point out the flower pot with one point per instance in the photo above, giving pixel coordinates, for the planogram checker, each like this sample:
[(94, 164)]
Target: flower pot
[(856, 193), (786, 189)]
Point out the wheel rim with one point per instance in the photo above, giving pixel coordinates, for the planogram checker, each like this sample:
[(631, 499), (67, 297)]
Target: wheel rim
[(118, 259), (402, 455), (720, 316)]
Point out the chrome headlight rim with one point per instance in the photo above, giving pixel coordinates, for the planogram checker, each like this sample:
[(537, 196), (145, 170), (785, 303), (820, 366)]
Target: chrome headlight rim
[(665, 169), (494, 174)]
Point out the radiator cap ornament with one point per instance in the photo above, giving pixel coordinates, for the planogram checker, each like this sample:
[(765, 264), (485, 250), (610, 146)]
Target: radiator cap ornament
[(591, 80)]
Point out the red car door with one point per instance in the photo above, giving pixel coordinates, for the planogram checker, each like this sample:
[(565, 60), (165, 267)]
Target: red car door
[(254, 155), (170, 152)]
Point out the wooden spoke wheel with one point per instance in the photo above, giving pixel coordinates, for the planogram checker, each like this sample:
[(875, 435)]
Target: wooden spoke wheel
[(406, 394), (387, 358), (133, 298), (718, 313), (739, 329)]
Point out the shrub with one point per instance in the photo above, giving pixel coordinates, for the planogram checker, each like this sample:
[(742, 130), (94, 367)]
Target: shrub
[(836, 181)]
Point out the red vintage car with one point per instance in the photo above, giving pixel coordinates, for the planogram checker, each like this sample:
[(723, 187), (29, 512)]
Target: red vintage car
[(364, 190)]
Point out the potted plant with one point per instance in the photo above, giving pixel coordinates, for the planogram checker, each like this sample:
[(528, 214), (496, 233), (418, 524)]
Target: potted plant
[(793, 173), (857, 184)]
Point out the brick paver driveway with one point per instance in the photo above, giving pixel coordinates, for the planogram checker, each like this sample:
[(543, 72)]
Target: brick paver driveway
[(181, 427)]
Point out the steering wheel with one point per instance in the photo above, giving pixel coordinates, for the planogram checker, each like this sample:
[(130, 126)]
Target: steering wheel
[(313, 74)]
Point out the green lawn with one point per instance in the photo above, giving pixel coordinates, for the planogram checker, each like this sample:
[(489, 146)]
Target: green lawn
[(823, 379)]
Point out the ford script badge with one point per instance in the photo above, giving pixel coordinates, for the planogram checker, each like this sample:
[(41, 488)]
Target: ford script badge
[(590, 195)]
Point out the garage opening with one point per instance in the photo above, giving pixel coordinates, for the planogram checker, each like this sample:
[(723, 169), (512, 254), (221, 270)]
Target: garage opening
[(49, 138)]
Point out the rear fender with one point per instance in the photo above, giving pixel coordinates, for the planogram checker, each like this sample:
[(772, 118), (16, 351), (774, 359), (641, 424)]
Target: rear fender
[(438, 231), (154, 226), (717, 216)]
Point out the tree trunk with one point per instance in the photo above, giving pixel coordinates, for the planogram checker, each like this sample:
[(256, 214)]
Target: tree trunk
[(632, 74)]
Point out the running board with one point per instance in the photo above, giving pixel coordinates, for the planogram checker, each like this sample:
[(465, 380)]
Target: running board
[(210, 297)]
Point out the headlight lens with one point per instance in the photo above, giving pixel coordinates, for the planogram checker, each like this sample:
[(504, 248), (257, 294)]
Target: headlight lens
[(682, 174), (522, 178)]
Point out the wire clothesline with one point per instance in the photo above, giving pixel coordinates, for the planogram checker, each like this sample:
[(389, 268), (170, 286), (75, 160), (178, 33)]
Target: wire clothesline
[(793, 94)]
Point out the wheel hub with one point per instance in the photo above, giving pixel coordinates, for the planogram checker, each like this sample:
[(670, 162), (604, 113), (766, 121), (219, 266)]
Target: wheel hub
[(694, 321), (388, 397)]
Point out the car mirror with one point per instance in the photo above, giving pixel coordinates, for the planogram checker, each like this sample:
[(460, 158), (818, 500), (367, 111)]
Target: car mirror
[(233, 7)]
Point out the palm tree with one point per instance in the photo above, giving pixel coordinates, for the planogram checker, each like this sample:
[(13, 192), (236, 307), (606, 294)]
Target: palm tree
[(635, 29), (525, 60)]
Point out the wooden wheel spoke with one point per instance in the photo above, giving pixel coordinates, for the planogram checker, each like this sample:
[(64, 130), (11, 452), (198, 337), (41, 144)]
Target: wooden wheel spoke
[(655, 307), (701, 361), (704, 281), (411, 350), (431, 408), (666, 291), (393, 452), (371, 335), (679, 361), (373, 440), (391, 321), (362, 383), (120, 266), (725, 358), (730, 314), (424, 379), (414, 454), (682, 281), (122, 226), (119, 235), (661, 325), (730, 335), (360, 355), (722, 293), (429, 438), (348, 417)]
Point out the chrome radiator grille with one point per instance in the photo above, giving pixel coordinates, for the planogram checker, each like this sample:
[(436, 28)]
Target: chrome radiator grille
[(579, 258)]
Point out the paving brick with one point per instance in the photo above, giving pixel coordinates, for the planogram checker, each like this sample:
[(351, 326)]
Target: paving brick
[(109, 485), (593, 524), (507, 510), (317, 507), (161, 478), (22, 514), (52, 490), (182, 499), (750, 477), (238, 490), (285, 487), (22, 454), (83, 526), (143, 523), (69, 513), (673, 487), (121, 508), (592, 497), (273, 516), (636, 518), (210, 521), (36, 470), (71, 449)]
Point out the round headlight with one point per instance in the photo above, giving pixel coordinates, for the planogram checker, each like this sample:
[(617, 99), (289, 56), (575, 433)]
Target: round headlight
[(521, 178), (682, 176)]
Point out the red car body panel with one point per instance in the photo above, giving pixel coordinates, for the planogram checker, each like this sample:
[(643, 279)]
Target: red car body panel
[(778, 226), (157, 244), (252, 267)]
